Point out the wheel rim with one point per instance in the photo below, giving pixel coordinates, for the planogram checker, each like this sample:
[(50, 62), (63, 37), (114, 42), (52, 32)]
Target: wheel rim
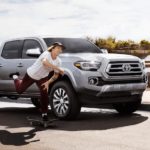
[(60, 101)]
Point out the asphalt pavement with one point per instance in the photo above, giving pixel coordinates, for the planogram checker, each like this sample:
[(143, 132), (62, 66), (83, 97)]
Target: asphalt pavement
[(95, 129)]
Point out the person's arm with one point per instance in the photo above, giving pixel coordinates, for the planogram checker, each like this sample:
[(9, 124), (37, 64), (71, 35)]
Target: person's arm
[(47, 64), (51, 80)]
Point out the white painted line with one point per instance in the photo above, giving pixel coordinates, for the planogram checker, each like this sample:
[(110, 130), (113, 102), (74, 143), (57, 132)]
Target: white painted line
[(8, 104)]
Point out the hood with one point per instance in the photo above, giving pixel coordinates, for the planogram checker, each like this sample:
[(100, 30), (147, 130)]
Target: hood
[(119, 57), (101, 56)]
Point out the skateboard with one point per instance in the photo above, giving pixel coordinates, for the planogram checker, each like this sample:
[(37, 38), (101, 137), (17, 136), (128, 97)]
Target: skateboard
[(40, 122)]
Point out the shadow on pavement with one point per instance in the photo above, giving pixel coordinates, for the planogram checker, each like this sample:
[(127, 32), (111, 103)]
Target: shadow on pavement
[(101, 121), (16, 118), (17, 139)]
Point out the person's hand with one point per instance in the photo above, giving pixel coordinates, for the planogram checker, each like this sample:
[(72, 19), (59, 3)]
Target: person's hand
[(61, 72), (45, 86)]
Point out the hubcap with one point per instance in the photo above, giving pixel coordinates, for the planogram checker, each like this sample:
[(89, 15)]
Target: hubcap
[(60, 101)]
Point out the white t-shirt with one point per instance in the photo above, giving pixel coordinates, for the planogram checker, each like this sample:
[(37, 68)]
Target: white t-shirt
[(38, 71)]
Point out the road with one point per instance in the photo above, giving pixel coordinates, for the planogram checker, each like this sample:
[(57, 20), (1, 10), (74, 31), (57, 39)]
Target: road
[(95, 129)]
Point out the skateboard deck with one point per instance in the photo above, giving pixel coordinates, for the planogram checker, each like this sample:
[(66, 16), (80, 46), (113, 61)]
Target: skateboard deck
[(40, 122)]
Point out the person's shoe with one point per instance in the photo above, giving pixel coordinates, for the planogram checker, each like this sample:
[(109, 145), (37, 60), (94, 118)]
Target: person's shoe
[(45, 117), (14, 75)]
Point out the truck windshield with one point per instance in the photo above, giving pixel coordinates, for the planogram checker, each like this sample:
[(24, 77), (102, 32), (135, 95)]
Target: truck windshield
[(74, 45)]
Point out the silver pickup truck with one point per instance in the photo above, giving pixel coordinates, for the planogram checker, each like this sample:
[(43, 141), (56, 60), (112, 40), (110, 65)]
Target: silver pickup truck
[(92, 78)]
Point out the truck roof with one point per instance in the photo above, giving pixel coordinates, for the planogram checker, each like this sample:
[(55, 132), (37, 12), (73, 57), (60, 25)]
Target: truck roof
[(38, 37)]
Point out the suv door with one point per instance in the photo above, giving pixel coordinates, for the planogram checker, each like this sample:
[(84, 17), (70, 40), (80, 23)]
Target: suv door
[(27, 60), (11, 53)]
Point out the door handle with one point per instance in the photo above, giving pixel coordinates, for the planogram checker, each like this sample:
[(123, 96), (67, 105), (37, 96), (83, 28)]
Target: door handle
[(1, 65), (20, 65)]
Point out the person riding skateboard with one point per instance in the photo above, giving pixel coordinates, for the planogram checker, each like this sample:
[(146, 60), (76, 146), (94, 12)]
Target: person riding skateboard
[(38, 73)]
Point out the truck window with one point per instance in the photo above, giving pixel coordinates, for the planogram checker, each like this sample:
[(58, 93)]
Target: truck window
[(30, 44), (12, 49), (74, 45)]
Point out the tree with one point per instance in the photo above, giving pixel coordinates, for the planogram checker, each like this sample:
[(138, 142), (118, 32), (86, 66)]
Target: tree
[(109, 43), (144, 44)]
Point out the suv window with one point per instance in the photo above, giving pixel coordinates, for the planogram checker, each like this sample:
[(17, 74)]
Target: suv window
[(74, 45), (12, 49), (30, 44)]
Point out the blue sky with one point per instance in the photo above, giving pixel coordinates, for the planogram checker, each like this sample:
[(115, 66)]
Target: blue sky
[(123, 19)]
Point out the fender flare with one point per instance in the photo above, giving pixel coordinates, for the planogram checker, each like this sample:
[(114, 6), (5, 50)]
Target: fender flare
[(70, 75)]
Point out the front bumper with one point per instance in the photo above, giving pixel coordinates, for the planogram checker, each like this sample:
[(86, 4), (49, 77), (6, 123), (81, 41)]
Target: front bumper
[(113, 93), (118, 87), (114, 90), (133, 88)]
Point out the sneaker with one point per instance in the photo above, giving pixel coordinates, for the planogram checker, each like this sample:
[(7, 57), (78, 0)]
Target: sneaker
[(13, 75), (45, 117)]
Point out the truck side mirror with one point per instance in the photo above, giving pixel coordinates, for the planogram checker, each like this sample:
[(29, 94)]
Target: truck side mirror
[(34, 52)]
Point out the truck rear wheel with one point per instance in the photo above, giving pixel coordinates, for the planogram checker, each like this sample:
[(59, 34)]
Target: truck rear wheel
[(128, 107), (64, 102)]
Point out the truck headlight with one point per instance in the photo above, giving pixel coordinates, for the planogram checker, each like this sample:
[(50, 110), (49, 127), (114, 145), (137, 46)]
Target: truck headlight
[(88, 65)]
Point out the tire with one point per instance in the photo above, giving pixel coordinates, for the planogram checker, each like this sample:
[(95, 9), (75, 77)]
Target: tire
[(36, 102), (148, 80), (64, 102), (128, 107)]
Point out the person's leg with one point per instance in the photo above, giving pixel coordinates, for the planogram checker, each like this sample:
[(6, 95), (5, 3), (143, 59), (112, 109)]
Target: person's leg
[(44, 96), (22, 85)]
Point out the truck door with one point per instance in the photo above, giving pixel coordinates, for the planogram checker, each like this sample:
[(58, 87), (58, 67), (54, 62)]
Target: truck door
[(9, 62), (27, 60)]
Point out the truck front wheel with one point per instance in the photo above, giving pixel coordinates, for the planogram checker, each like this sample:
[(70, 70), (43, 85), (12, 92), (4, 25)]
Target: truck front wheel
[(128, 107), (64, 102)]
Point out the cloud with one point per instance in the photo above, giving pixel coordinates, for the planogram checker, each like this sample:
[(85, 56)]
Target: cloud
[(123, 19), (21, 1)]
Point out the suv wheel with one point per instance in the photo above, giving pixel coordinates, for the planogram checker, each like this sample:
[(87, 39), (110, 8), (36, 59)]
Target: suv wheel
[(128, 107), (64, 102)]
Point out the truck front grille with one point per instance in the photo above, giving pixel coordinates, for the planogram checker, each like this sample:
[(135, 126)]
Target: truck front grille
[(124, 68)]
